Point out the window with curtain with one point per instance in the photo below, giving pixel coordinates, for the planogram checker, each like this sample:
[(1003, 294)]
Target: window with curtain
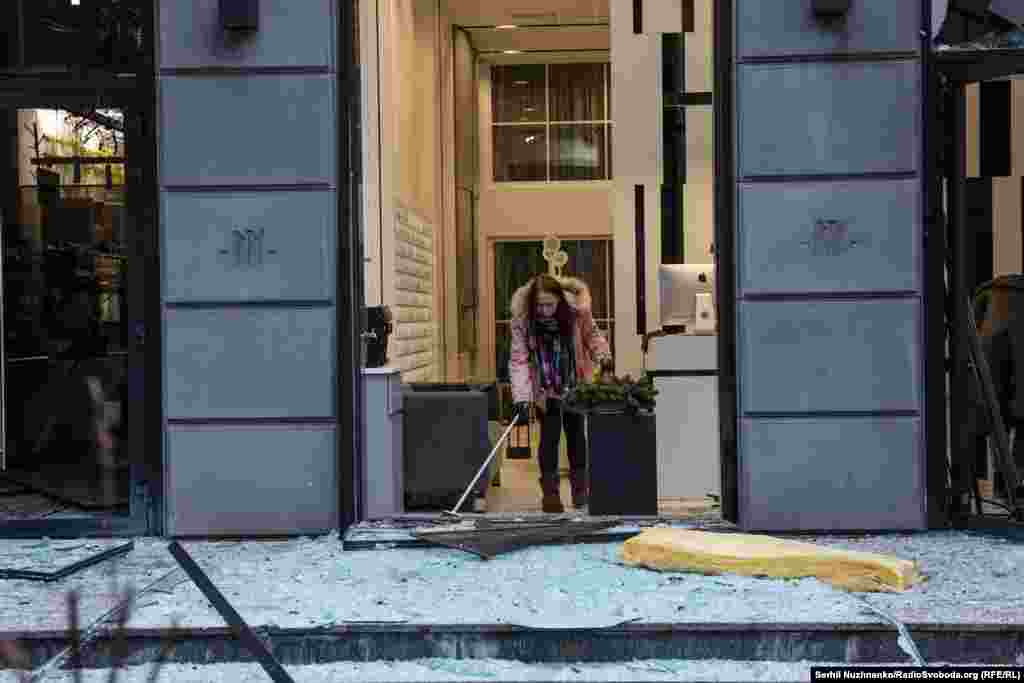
[(517, 262), (552, 122)]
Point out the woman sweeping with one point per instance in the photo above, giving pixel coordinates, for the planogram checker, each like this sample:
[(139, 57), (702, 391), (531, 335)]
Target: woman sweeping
[(555, 343)]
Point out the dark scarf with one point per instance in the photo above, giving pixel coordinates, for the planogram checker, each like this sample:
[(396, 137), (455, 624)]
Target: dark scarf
[(553, 356)]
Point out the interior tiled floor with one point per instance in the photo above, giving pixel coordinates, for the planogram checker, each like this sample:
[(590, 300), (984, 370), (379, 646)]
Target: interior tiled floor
[(520, 492), (519, 489)]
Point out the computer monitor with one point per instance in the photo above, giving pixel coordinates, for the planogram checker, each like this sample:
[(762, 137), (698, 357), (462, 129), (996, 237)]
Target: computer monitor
[(678, 287)]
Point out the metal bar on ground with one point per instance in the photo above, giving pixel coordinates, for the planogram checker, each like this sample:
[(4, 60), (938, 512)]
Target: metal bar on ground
[(29, 575), (232, 617)]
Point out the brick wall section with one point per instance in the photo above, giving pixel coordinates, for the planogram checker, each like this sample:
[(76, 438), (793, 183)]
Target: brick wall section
[(412, 344)]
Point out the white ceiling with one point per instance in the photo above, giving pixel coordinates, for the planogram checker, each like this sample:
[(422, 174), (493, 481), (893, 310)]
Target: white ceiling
[(534, 39), (546, 30), (523, 12)]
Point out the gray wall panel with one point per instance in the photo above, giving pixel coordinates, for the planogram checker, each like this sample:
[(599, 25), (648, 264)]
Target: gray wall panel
[(814, 118), (291, 34), (249, 362), (784, 245), (841, 474), (265, 129), (779, 27), (205, 260), (810, 356), (252, 480)]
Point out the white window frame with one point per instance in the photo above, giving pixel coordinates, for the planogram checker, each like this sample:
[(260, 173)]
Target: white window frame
[(548, 124)]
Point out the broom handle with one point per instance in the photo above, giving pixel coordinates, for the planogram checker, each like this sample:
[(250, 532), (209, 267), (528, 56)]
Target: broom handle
[(455, 510)]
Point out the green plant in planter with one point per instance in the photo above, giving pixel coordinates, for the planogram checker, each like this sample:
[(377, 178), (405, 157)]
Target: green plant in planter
[(982, 303), (614, 394)]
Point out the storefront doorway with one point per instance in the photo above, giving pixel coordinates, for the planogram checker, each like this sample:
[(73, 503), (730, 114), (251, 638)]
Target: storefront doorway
[(79, 429)]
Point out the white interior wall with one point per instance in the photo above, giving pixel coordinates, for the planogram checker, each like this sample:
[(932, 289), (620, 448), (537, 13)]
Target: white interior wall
[(1006, 226), (699, 204), (371, 188), (699, 45), (637, 107)]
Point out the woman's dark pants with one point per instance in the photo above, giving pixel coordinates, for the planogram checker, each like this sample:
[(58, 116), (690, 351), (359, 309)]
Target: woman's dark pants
[(552, 422)]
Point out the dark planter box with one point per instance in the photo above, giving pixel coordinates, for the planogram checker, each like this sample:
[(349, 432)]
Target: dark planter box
[(623, 465), (444, 442)]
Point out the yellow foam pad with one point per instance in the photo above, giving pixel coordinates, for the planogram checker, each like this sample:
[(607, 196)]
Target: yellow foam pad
[(703, 552)]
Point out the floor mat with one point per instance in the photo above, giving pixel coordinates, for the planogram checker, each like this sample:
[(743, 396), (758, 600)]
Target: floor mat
[(27, 505), (69, 484)]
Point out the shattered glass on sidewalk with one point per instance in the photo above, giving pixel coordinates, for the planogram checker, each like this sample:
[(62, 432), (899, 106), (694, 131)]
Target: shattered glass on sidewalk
[(311, 583)]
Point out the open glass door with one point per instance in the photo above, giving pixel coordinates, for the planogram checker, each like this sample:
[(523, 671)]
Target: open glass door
[(77, 267), (67, 246)]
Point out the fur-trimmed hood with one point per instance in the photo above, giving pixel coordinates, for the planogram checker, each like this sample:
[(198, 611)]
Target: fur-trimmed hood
[(577, 294)]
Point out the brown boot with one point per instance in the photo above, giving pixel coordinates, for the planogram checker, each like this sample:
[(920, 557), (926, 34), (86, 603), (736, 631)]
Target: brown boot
[(552, 501), (578, 481)]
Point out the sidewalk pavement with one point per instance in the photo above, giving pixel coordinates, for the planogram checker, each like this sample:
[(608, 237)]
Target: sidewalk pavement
[(972, 581)]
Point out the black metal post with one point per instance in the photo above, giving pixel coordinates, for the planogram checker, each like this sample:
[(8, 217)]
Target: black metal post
[(725, 257), (350, 299), (957, 210), (936, 441)]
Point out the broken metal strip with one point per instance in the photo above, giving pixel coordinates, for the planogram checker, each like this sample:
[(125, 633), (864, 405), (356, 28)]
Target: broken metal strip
[(29, 575), (232, 617), (94, 630), (905, 642)]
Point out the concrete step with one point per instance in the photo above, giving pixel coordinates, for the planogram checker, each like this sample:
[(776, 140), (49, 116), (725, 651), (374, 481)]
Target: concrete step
[(850, 643)]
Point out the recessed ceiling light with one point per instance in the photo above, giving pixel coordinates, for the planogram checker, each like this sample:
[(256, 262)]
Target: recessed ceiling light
[(512, 52), (76, 3), (505, 27)]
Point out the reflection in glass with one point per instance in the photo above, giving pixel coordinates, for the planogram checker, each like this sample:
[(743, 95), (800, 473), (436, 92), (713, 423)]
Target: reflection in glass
[(578, 152), (520, 153), (518, 93), (65, 249), (577, 92), (109, 35)]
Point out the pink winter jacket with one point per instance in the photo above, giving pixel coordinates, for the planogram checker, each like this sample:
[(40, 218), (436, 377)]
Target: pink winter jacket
[(588, 341)]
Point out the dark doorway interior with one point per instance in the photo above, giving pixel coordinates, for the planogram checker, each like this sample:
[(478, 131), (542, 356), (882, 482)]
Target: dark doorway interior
[(79, 428), (68, 312)]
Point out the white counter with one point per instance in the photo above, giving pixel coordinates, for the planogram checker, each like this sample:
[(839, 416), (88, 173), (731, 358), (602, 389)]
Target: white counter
[(685, 372)]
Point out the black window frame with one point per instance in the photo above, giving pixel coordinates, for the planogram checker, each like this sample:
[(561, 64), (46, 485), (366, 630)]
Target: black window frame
[(136, 92)]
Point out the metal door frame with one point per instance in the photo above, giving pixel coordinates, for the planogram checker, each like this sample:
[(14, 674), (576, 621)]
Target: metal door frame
[(350, 297), (133, 93), (959, 68), (724, 203)]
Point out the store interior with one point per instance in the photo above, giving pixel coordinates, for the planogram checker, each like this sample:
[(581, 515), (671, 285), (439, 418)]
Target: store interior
[(539, 166), (65, 372)]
